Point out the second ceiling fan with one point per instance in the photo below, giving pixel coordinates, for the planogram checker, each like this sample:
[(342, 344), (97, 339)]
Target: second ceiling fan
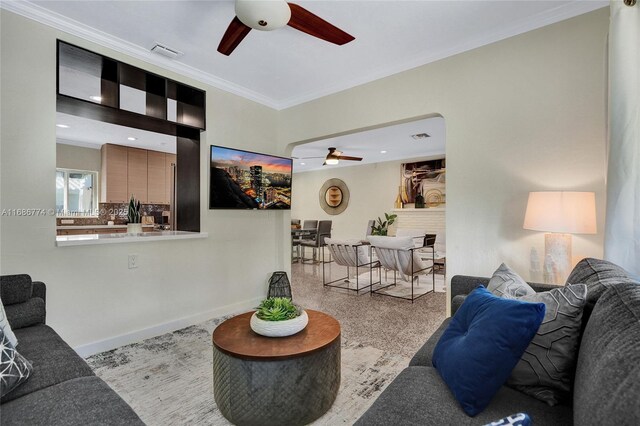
[(267, 15), (333, 157)]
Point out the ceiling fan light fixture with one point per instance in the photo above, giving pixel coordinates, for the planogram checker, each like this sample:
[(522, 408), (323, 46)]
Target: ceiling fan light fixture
[(331, 161), (263, 15)]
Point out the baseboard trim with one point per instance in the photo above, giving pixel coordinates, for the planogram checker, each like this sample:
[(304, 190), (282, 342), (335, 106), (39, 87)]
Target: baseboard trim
[(167, 327)]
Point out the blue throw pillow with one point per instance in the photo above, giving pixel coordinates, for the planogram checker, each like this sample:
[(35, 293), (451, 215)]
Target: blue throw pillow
[(482, 344)]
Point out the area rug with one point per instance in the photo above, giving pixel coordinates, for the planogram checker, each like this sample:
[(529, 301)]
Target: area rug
[(168, 379)]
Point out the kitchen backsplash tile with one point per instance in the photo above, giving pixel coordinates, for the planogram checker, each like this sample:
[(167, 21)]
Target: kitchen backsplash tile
[(116, 212)]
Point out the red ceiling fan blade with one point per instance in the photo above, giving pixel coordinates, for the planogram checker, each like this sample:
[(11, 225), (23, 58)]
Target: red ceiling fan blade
[(307, 22), (236, 32), (345, 157)]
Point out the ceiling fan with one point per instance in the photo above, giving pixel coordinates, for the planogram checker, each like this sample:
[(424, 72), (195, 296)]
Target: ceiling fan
[(267, 15), (333, 157)]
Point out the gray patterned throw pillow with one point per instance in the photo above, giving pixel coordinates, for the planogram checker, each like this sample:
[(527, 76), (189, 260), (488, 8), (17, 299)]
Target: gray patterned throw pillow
[(14, 368), (5, 327), (508, 284), (545, 370)]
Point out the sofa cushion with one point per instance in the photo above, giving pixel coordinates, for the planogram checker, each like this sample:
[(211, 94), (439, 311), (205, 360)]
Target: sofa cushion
[(424, 354), (14, 368), (456, 302), (598, 275), (53, 360), (81, 401), (27, 313), (15, 288), (607, 384), (484, 341), (418, 396), (508, 284), (546, 368)]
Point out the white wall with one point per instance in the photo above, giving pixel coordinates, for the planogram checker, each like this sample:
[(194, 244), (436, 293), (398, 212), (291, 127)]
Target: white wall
[(373, 189), (524, 114), (91, 295), (77, 157)]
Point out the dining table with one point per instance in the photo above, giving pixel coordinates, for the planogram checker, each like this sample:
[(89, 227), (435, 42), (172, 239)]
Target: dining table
[(300, 233)]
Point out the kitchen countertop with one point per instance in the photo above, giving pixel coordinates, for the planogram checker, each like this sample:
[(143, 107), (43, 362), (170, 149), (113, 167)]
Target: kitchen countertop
[(93, 239), (144, 225)]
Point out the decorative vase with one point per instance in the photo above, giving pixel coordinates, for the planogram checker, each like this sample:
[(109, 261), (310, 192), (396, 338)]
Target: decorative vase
[(279, 328), (134, 228), (398, 202)]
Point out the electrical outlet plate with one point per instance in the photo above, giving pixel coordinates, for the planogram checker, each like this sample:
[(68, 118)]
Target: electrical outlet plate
[(133, 261)]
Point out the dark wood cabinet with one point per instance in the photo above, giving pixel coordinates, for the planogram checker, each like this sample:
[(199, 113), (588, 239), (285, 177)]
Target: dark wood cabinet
[(95, 86)]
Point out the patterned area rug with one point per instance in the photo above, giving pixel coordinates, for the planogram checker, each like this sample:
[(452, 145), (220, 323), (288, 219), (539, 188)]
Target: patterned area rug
[(168, 379)]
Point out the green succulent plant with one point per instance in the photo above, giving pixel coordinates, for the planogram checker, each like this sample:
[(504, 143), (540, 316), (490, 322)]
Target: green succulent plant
[(278, 309), (133, 213)]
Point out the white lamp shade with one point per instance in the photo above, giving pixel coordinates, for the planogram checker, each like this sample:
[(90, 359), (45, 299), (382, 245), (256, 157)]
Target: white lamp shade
[(562, 212), (263, 15)]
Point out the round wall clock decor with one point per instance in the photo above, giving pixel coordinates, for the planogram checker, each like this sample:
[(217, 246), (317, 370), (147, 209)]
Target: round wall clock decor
[(334, 196)]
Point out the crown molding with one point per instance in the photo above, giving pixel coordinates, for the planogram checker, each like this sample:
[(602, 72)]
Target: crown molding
[(62, 23), (78, 29)]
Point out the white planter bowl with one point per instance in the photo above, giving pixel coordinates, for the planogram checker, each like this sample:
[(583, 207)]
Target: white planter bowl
[(279, 328)]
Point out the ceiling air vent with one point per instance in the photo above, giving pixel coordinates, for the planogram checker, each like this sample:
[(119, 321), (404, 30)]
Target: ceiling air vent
[(166, 51), (419, 136)]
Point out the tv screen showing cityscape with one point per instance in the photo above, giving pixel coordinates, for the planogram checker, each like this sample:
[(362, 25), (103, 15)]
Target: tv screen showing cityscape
[(248, 180)]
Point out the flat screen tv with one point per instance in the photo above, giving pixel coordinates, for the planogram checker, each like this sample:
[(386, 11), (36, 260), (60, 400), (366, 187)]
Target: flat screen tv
[(248, 180)]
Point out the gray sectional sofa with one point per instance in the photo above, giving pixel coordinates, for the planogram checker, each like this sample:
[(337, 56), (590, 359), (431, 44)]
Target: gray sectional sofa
[(606, 389), (62, 389)]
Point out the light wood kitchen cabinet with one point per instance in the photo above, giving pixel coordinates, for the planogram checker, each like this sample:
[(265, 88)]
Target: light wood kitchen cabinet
[(156, 180), (170, 161), (113, 172), (148, 175), (137, 174)]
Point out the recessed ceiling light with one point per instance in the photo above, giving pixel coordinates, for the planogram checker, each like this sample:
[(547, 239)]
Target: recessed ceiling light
[(131, 138), (303, 164), (383, 152), (96, 98), (418, 136), (62, 126)]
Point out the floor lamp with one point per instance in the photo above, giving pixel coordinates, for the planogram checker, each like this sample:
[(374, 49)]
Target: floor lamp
[(560, 214)]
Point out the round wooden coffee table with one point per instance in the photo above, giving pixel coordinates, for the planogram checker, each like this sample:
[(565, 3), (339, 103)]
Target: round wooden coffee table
[(290, 380)]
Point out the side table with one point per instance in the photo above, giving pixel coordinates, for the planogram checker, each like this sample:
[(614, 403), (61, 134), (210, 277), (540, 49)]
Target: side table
[(290, 380)]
